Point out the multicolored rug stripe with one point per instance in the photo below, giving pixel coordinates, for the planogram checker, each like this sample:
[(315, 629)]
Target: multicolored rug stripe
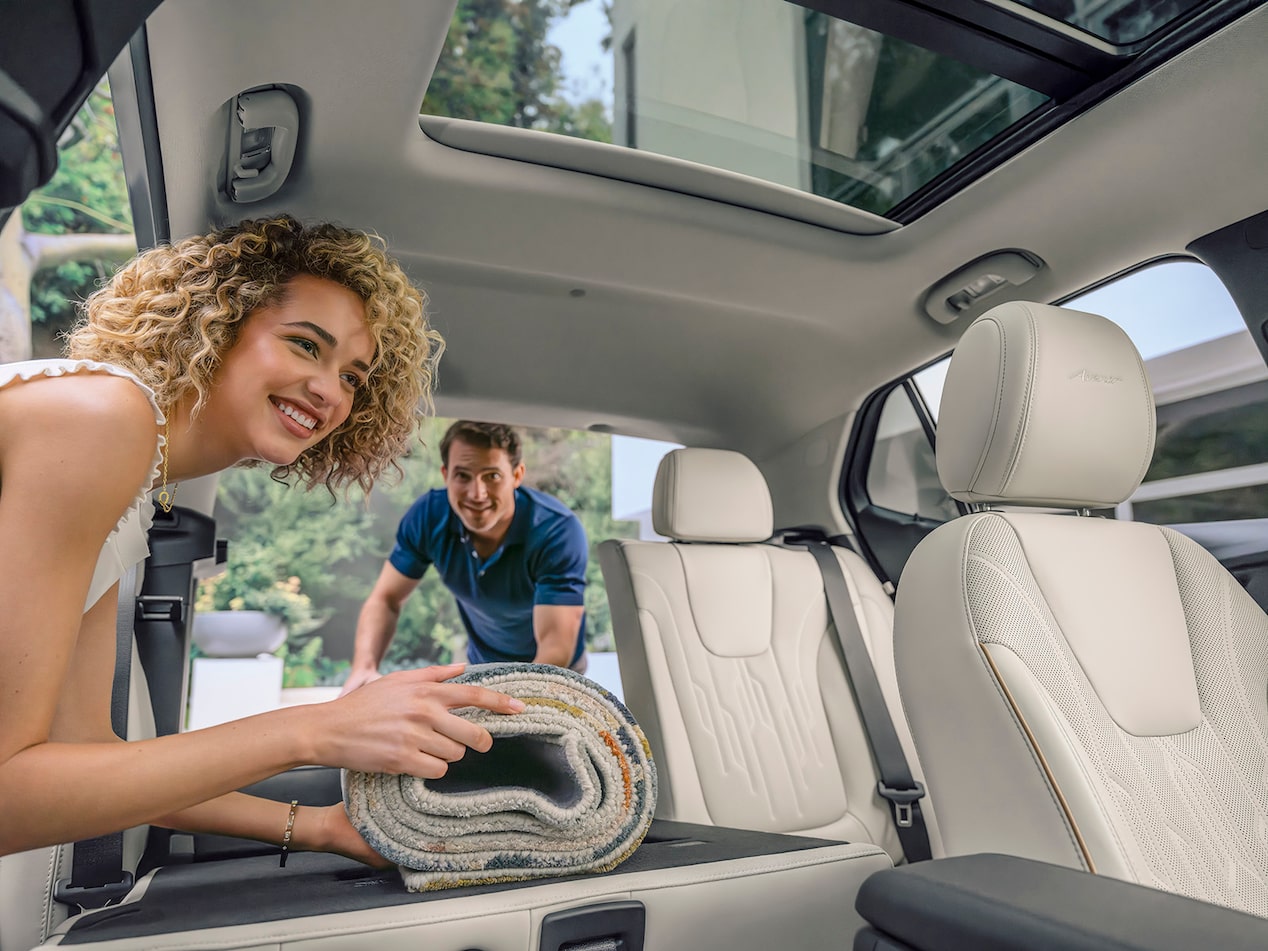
[(568, 787)]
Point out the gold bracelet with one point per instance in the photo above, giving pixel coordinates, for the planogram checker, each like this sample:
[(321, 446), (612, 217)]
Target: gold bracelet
[(286, 836)]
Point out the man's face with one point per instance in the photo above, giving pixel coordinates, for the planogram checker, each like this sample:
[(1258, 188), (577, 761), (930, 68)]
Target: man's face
[(481, 484)]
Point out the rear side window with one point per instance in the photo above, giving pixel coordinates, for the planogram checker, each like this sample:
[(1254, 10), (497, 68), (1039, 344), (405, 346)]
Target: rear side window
[(1210, 385), (902, 475)]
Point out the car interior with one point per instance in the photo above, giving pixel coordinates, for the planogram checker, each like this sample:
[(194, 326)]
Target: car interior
[(950, 632)]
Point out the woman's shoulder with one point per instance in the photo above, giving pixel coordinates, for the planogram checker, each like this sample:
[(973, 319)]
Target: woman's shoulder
[(77, 423), (86, 388)]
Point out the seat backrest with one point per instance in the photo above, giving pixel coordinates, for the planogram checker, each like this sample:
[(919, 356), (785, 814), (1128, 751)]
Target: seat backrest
[(730, 662), (1081, 690)]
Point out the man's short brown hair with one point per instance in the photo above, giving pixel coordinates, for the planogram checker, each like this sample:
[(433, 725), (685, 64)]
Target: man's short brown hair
[(482, 436)]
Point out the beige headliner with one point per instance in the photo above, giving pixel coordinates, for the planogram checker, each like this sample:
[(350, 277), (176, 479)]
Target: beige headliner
[(702, 322)]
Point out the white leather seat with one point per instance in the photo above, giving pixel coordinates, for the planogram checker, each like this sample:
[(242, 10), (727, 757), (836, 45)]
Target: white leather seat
[(1089, 692), (730, 662)]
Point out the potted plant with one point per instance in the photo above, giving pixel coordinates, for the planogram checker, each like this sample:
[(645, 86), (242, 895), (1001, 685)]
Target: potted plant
[(237, 621)]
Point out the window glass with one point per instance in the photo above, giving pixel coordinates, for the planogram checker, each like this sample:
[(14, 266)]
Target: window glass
[(902, 475), (68, 236), (1210, 385), (311, 560), (930, 382), (763, 88), (634, 464), (1118, 21)]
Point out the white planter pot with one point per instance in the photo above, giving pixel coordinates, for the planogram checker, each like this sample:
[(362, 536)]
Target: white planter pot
[(238, 633)]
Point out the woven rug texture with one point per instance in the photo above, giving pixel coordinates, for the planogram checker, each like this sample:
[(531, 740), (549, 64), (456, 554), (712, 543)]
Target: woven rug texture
[(568, 787)]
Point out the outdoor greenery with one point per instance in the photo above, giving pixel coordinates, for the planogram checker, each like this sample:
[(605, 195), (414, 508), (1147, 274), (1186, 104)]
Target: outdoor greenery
[(86, 196), (286, 541), (497, 66)]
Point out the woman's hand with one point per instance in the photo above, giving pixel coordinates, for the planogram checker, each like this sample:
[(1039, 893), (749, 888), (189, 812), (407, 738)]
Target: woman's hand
[(331, 831), (402, 723)]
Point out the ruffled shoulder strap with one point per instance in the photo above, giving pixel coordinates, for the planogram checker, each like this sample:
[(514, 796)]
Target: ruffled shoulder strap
[(126, 544)]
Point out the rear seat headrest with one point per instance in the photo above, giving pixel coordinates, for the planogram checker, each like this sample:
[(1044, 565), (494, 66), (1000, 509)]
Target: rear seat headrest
[(1045, 406), (711, 495)]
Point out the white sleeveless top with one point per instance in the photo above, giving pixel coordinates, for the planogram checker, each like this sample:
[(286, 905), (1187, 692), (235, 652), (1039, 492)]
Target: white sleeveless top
[(126, 545)]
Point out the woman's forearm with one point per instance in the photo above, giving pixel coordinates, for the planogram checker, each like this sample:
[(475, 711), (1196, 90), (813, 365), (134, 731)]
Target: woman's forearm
[(63, 792)]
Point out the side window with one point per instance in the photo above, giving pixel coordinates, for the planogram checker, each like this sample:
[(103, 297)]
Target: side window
[(902, 475), (1210, 386), (67, 238)]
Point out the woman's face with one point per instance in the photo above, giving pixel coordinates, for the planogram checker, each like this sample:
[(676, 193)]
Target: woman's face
[(289, 380)]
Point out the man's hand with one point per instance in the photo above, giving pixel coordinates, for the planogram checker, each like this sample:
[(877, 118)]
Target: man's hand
[(358, 678)]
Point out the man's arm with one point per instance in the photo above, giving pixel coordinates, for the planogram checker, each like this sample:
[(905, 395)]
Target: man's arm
[(376, 625), (559, 601), (556, 626)]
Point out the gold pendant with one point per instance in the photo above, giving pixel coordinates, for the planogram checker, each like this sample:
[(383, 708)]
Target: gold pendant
[(165, 500)]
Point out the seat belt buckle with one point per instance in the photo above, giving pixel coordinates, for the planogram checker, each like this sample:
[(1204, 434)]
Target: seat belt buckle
[(901, 800), (92, 896)]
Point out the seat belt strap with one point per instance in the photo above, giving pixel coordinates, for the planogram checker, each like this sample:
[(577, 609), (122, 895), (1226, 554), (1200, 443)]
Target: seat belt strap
[(97, 876), (896, 784)]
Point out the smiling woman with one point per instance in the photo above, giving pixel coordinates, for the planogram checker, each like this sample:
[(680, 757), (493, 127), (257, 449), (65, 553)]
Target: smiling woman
[(303, 347)]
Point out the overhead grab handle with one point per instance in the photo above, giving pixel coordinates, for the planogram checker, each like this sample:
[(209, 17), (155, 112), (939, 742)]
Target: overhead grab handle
[(980, 285), (263, 128)]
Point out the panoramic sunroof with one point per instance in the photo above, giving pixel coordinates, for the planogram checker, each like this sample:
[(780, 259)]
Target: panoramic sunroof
[(767, 89)]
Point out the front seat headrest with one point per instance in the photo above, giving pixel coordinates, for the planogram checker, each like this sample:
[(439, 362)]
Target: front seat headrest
[(1045, 406)]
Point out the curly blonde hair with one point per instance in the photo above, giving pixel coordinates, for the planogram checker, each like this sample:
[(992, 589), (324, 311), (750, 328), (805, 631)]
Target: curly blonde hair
[(172, 313)]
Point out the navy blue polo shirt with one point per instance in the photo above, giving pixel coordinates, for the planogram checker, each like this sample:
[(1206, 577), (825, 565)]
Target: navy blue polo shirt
[(542, 560)]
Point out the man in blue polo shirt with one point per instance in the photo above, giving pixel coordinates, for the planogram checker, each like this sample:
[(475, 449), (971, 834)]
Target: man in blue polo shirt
[(513, 558)]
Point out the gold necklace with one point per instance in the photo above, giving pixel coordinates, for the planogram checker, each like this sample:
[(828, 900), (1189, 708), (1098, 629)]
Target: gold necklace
[(166, 499)]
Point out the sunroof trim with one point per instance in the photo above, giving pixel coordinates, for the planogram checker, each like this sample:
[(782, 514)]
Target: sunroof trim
[(652, 169), (1061, 26)]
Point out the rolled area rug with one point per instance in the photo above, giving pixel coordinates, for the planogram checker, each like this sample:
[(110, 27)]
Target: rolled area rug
[(568, 787)]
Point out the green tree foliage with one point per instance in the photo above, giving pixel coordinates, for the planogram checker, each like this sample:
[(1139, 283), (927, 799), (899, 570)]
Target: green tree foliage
[(497, 66), (87, 195), (336, 547), (301, 533)]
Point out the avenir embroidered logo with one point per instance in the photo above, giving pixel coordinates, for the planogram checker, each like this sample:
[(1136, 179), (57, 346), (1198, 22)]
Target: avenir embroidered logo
[(1087, 376)]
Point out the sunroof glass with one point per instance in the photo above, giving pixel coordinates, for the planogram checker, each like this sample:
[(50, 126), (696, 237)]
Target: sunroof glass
[(795, 97), (1121, 22)]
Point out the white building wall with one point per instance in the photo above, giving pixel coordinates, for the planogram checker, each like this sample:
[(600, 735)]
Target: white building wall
[(715, 81)]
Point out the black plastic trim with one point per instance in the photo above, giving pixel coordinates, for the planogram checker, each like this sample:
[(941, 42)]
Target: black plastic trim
[(1007, 903), (852, 490), (616, 924), (139, 143), (1238, 254), (102, 30)]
